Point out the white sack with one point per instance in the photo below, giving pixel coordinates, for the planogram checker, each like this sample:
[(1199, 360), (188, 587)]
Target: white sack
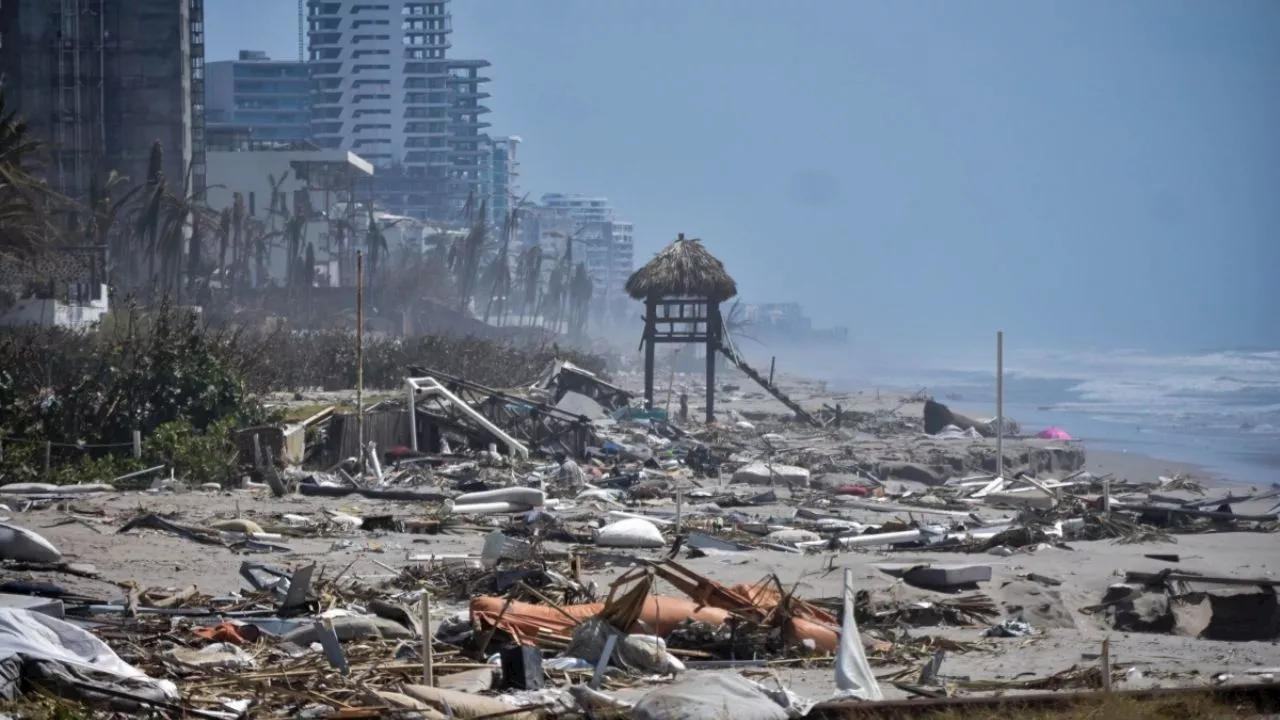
[(758, 473), (630, 533)]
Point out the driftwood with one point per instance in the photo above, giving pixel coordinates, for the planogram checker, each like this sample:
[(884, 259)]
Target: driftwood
[(1174, 576), (938, 416)]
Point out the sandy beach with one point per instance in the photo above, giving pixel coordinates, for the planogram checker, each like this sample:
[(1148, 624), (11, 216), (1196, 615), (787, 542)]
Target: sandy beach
[(1079, 573)]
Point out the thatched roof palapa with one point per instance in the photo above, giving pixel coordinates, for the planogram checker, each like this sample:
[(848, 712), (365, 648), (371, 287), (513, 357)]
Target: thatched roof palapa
[(683, 269)]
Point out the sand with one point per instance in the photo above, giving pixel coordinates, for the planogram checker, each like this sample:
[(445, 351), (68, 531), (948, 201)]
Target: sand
[(1065, 637)]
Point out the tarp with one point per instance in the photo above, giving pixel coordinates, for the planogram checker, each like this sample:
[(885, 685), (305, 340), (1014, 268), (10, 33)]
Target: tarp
[(708, 697), (35, 636)]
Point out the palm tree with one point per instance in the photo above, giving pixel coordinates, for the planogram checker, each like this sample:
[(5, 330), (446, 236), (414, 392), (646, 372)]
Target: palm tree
[(467, 261), (580, 291), (25, 230), (295, 236), (529, 273), (376, 240), (151, 215), (498, 276)]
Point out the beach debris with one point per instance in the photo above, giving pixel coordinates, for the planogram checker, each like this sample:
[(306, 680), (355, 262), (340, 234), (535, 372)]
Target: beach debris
[(23, 545)]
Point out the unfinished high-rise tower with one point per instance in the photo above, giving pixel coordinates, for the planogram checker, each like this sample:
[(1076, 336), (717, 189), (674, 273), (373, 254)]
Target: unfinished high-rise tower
[(99, 81)]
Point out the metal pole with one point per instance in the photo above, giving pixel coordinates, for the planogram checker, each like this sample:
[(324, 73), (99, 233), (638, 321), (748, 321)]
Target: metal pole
[(671, 381), (1000, 403), (679, 509), (772, 361), (428, 652), (360, 357), (137, 444), (413, 418)]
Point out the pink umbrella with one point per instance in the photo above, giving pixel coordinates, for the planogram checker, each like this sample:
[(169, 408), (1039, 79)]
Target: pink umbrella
[(1053, 433)]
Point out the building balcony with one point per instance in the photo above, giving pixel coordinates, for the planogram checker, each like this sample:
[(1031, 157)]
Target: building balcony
[(468, 110)]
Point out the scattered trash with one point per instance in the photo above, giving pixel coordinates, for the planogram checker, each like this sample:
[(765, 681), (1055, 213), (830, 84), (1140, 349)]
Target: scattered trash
[(522, 554)]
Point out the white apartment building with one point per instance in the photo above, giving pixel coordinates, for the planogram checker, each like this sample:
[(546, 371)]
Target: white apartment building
[(380, 80), (383, 87), (606, 244)]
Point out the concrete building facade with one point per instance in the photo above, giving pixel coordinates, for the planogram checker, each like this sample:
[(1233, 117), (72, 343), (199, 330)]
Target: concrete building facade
[(99, 81), (271, 99), (384, 88), (470, 153), (607, 243), (316, 182), (505, 176)]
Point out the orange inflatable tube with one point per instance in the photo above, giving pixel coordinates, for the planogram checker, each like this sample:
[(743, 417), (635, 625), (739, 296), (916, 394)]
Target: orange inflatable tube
[(526, 621)]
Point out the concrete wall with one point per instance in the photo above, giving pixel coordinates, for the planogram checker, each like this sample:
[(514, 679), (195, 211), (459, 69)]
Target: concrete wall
[(54, 313), (133, 87), (251, 173)]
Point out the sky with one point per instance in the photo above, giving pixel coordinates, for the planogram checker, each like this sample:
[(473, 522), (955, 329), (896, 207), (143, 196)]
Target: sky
[(1078, 174)]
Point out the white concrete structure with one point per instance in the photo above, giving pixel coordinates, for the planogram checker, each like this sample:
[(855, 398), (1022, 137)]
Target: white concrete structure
[(606, 244), (505, 181), (622, 254), (317, 178), (270, 98), (51, 312), (583, 208)]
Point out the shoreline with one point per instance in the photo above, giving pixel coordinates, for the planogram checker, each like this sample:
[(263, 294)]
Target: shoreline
[(815, 392)]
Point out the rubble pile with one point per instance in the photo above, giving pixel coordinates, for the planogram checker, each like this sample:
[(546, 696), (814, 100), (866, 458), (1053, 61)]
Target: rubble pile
[(548, 551)]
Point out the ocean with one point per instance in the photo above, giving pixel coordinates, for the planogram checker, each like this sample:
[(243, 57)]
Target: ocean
[(1220, 410)]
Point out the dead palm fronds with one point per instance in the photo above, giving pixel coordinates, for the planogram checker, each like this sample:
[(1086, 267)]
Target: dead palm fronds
[(682, 269), (25, 230), (529, 274)]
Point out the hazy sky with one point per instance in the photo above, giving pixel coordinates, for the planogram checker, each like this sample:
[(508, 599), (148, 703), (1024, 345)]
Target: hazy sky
[(1078, 173)]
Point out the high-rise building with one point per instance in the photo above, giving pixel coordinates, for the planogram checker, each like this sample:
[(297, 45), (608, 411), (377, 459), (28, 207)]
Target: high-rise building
[(470, 160), (504, 182), (382, 87), (622, 255), (99, 81), (606, 243), (270, 99)]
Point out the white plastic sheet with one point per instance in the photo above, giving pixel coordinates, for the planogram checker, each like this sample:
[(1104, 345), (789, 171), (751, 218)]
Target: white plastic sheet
[(707, 696), (853, 672), (761, 473), (34, 636)]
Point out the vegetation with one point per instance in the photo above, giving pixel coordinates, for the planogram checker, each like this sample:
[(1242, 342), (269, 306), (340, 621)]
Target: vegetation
[(186, 379), (186, 385)]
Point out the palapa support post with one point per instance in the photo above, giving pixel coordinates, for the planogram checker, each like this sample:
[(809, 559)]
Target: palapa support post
[(650, 352), (682, 288), (713, 345)]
